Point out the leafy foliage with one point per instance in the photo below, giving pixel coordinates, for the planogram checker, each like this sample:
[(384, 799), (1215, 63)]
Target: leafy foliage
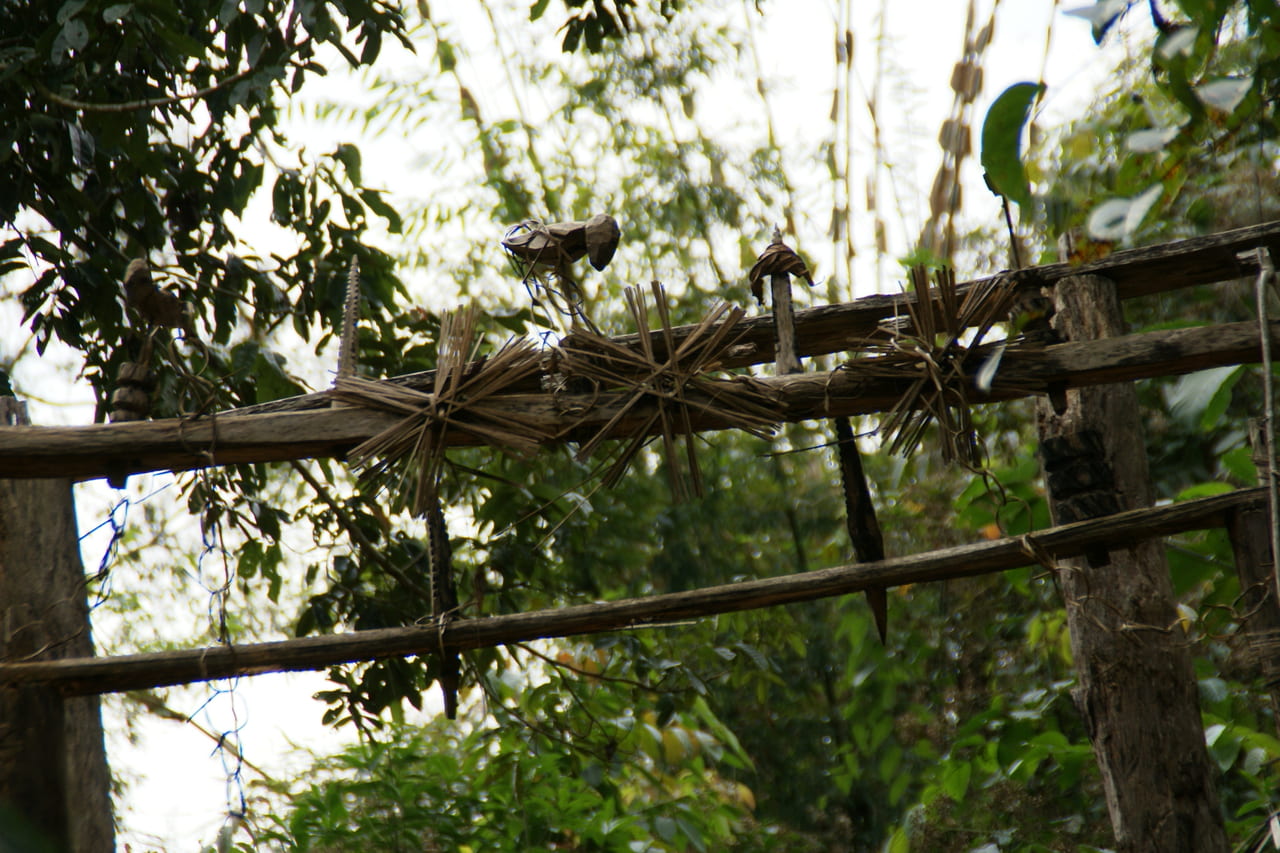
[(1002, 140), (136, 132), (510, 788), (1209, 84), (140, 130)]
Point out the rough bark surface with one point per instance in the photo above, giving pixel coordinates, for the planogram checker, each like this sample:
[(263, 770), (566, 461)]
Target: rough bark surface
[(120, 449), (1137, 690), (1251, 546), (54, 782), (162, 669)]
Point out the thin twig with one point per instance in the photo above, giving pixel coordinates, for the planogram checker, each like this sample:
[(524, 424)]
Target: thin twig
[(131, 106)]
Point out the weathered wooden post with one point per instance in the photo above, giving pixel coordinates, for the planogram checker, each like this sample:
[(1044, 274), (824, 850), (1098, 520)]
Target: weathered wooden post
[(779, 262), (54, 783), (1250, 532), (1137, 689)]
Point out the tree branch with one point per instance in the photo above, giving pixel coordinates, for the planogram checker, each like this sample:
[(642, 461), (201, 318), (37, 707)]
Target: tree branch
[(131, 106)]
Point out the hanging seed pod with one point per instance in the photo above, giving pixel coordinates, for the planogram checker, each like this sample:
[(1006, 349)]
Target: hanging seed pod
[(954, 138), (966, 80), (131, 400)]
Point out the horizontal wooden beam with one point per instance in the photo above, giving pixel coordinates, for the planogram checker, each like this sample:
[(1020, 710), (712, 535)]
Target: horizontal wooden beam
[(118, 450), (160, 669), (830, 329)]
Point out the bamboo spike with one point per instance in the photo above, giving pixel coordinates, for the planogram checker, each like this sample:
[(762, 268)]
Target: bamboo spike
[(444, 600), (348, 343), (860, 519)]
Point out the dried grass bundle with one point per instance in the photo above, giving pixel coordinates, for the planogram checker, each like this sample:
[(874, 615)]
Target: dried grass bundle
[(463, 397), (927, 354), (676, 384)]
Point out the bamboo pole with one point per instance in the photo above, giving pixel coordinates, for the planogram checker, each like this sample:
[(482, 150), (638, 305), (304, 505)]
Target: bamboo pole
[(159, 669), (118, 450), (827, 329)]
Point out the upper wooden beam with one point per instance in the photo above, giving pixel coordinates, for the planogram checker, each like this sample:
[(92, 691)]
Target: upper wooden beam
[(860, 387), (829, 329), (1136, 272)]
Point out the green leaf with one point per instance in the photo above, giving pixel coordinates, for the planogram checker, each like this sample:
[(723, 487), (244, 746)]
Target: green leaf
[(1212, 691), (73, 37), (1102, 16), (374, 201), (69, 10), (1224, 94), (1119, 218), (1151, 140), (349, 156), (1238, 462), (446, 56), (1202, 397), (665, 828), (1002, 141), (955, 780)]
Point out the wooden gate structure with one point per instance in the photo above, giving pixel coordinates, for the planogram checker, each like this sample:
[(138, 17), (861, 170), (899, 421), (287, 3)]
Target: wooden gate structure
[(676, 381)]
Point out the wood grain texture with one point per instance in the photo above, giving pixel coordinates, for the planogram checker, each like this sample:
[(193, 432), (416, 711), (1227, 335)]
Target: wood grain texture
[(116, 450), (1136, 688), (132, 672), (830, 329), (53, 766)]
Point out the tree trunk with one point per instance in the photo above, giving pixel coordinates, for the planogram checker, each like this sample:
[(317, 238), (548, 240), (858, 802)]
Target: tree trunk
[(54, 782), (1137, 690), (1250, 531)]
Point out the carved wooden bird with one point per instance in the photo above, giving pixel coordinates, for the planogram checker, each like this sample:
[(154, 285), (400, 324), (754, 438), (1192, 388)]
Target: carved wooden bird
[(559, 244), (776, 259)]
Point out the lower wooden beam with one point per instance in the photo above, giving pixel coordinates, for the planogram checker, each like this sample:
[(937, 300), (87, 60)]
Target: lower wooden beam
[(160, 669)]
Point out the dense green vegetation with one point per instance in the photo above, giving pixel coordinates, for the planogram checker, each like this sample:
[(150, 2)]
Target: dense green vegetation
[(135, 130)]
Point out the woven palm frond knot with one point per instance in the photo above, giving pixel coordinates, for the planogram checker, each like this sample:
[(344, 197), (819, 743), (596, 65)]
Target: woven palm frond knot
[(926, 352), (666, 388), (464, 397)]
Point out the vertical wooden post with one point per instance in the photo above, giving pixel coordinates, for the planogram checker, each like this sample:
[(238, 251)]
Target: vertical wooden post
[(54, 783), (1137, 689), (784, 324), (1255, 566)]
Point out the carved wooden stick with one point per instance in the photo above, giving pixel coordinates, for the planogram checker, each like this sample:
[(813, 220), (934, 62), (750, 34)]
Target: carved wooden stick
[(779, 263), (444, 601), (860, 518)]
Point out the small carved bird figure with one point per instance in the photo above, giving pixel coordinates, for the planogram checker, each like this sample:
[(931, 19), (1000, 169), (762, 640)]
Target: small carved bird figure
[(559, 244), (537, 248), (776, 259)]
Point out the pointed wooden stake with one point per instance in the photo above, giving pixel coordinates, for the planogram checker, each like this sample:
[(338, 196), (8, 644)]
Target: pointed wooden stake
[(779, 262), (444, 602), (860, 517)]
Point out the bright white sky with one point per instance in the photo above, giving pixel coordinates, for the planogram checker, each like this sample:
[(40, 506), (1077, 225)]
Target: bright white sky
[(178, 788)]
